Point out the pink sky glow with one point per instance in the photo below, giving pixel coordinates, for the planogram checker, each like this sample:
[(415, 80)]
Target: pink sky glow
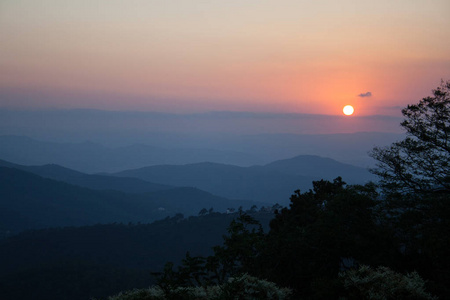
[(309, 57)]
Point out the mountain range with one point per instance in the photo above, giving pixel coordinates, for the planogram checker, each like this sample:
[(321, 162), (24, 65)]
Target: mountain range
[(54, 201), (96, 182), (52, 195), (271, 183), (29, 201), (176, 149), (91, 157)]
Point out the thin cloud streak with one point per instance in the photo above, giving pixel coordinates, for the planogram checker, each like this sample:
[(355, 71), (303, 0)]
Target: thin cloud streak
[(368, 94)]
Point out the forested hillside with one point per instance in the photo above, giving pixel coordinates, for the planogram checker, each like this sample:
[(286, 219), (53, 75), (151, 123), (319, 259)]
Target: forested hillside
[(29, 201), (97, 261)]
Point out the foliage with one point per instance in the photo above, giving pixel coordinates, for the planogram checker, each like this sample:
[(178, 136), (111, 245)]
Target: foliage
[(420, 225), (326, 230), (323, 231), (237, 255), (383, 284), (415, 178), (240, 248), (421, 162), (242, 287)]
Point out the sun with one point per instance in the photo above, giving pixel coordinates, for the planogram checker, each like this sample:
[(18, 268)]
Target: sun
[(348, 110)]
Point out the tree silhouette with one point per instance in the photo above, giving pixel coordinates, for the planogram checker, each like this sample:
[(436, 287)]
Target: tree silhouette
[(203, 212), (415, 177), (324, 230), (421, 162)]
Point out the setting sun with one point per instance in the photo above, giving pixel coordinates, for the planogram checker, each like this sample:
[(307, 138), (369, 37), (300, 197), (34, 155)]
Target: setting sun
[(348, 110)]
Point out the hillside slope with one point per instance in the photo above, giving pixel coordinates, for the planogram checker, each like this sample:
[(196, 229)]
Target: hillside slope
[(272, 183), (28, 201), (96, 182), (100, 260)]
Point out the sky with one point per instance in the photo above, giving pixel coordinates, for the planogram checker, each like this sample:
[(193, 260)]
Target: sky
[(301, 57)]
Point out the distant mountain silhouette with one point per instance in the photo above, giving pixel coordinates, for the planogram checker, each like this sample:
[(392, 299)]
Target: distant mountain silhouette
[(272, 183), (96, 182), (252, 183), (171, 148), (93, 158), (28, 201), (321, 167)]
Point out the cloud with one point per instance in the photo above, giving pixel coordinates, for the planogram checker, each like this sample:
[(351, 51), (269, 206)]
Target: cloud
[(368, 94)]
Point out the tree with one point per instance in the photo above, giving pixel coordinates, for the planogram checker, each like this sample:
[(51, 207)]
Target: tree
[(415, 177), (203, 212), (383, 283), (323, 231), (240, 248), (243, 287), (421, 162), (236, 256)]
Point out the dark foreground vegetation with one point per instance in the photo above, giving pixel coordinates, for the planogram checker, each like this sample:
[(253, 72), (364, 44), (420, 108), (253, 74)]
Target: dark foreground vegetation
[(313, 245), (335, 241)]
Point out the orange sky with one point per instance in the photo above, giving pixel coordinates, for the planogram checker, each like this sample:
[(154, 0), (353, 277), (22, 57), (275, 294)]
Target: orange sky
[(187, 56)]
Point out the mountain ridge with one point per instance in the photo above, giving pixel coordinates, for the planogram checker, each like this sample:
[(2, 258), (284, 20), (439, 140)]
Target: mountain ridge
[(90, 157), (272, 183), (313, 164), (29, 201), (94, 181)]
